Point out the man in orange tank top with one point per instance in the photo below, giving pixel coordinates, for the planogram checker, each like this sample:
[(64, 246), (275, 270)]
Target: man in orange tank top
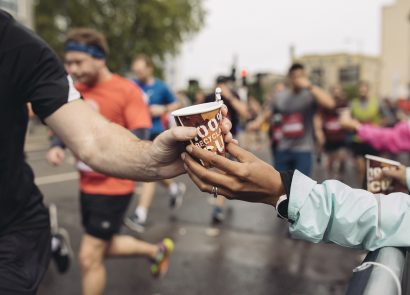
[(104, 199)]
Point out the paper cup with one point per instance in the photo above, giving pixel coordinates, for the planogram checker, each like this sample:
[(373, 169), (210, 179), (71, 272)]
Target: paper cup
[(207, 119)]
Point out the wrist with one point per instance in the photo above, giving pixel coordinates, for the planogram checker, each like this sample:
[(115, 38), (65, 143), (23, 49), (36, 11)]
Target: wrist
[(279, 189)]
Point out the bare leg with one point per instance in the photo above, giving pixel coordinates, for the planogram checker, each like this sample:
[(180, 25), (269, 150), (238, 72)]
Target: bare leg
[(122, 245), (166, 182), (91, 260), (220, 201), (147, 195)]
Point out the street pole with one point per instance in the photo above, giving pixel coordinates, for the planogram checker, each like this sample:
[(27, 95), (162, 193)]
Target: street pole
[(408, 51)]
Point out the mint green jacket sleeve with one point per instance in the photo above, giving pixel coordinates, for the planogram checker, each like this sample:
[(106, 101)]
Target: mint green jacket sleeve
[(334, 212)]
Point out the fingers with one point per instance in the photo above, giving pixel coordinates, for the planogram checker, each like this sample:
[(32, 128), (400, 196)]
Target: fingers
[(228, 138), (218, 179), (206, 187), (394, 172), (226, 125), (239, 153), (214, 160), (170, 136), (224, 110)]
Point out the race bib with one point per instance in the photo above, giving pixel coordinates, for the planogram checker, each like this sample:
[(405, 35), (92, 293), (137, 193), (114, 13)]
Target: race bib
[(292, 125), (332, 125)]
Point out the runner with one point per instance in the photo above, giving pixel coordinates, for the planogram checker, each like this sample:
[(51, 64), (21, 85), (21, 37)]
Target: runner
[(161, 101), (104, 200), (236, 110), (365, 109), (331, 136), (31, 72), (292, 111)]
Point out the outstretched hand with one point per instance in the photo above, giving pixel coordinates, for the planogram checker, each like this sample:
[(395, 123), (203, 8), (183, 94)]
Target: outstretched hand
[(250, 179), (397, 173), (164, 153)]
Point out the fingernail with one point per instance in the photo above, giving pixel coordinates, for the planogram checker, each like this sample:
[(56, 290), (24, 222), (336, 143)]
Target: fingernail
[(189, 149), (193, 132), (185, 167), (183, 155)]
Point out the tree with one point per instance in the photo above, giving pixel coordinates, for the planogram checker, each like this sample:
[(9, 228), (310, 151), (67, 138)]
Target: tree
[(154, 27)]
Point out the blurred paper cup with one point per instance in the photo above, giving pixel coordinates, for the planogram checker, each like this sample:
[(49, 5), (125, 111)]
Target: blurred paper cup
[(207, 119)]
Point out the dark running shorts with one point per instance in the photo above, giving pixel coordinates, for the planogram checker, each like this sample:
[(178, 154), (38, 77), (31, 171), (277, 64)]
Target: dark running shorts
[(334, 146), (24, 259), (102, 215), (361, 149)]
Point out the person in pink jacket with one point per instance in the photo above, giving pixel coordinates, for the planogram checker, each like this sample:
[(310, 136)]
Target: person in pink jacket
[(394, 139)]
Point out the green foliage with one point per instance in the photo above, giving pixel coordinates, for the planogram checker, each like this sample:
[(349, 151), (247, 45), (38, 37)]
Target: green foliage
[(351, 91), (154, 27)]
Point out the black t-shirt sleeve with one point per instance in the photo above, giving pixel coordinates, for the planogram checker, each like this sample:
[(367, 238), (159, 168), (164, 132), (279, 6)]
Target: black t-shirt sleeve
[(35, 71)]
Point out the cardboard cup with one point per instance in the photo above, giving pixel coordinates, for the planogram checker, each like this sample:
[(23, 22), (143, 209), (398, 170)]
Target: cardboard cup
[(207, 119)]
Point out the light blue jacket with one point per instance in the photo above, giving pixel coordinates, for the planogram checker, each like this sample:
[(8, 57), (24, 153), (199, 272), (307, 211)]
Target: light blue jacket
[(334, 212)]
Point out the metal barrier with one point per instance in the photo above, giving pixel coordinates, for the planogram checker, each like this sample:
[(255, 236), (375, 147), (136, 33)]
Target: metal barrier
[(378, 281)]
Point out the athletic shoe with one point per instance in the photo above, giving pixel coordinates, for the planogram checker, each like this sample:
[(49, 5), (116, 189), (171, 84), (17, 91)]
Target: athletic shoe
[(176, 199), (61, 250), (134, 223), (63, 254), (218, 215), (160, 263)]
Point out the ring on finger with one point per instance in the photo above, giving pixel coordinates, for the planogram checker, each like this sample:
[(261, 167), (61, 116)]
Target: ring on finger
[(215, 191)]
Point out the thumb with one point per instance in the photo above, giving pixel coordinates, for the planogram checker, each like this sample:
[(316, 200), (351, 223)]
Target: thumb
[(171, 136), (391, 172)]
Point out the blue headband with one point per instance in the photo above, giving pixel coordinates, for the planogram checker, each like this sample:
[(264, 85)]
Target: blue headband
[(92, 50)]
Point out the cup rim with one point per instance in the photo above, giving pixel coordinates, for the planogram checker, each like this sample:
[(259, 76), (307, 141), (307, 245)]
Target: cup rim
[(197, 109)]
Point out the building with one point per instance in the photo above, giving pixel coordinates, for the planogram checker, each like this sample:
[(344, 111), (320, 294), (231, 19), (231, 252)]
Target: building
[(327, 70), (395, 49), (22, 10)]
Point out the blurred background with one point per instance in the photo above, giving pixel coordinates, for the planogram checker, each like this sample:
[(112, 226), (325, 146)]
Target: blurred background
[(250, 44)]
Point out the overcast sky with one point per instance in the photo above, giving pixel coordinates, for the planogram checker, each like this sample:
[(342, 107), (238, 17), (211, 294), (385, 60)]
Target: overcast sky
[(260, 32)]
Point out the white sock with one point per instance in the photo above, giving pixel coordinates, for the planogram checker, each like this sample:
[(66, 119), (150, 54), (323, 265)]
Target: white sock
[(55, 244), (173, 188), (141, 213)]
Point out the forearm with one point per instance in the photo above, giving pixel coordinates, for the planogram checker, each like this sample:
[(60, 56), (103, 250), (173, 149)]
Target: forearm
[(117, 152), (323, 98), (318, 126), (173, 106), (105, 146), (262, 118), (240, 107), (334, 212), (393, 140)]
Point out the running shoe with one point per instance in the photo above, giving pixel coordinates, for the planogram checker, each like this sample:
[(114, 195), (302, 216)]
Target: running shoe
[(176, 199), (134, 223), (218, 215), (61, 250), (160, 263), (63, 253)]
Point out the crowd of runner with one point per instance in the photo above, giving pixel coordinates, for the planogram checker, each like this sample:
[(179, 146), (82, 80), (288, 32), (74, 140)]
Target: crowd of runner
[(298, 120)]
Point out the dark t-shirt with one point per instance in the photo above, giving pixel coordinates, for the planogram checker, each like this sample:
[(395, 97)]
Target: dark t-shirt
[(232, 113), (29, 72)]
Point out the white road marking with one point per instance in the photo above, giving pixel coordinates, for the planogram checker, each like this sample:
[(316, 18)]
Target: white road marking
[(49, 179)]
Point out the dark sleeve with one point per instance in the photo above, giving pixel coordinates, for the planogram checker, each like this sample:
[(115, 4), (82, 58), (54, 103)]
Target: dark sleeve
[(141, 133), (210, 98), (36, 73), (286, 178), (55, 141)]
